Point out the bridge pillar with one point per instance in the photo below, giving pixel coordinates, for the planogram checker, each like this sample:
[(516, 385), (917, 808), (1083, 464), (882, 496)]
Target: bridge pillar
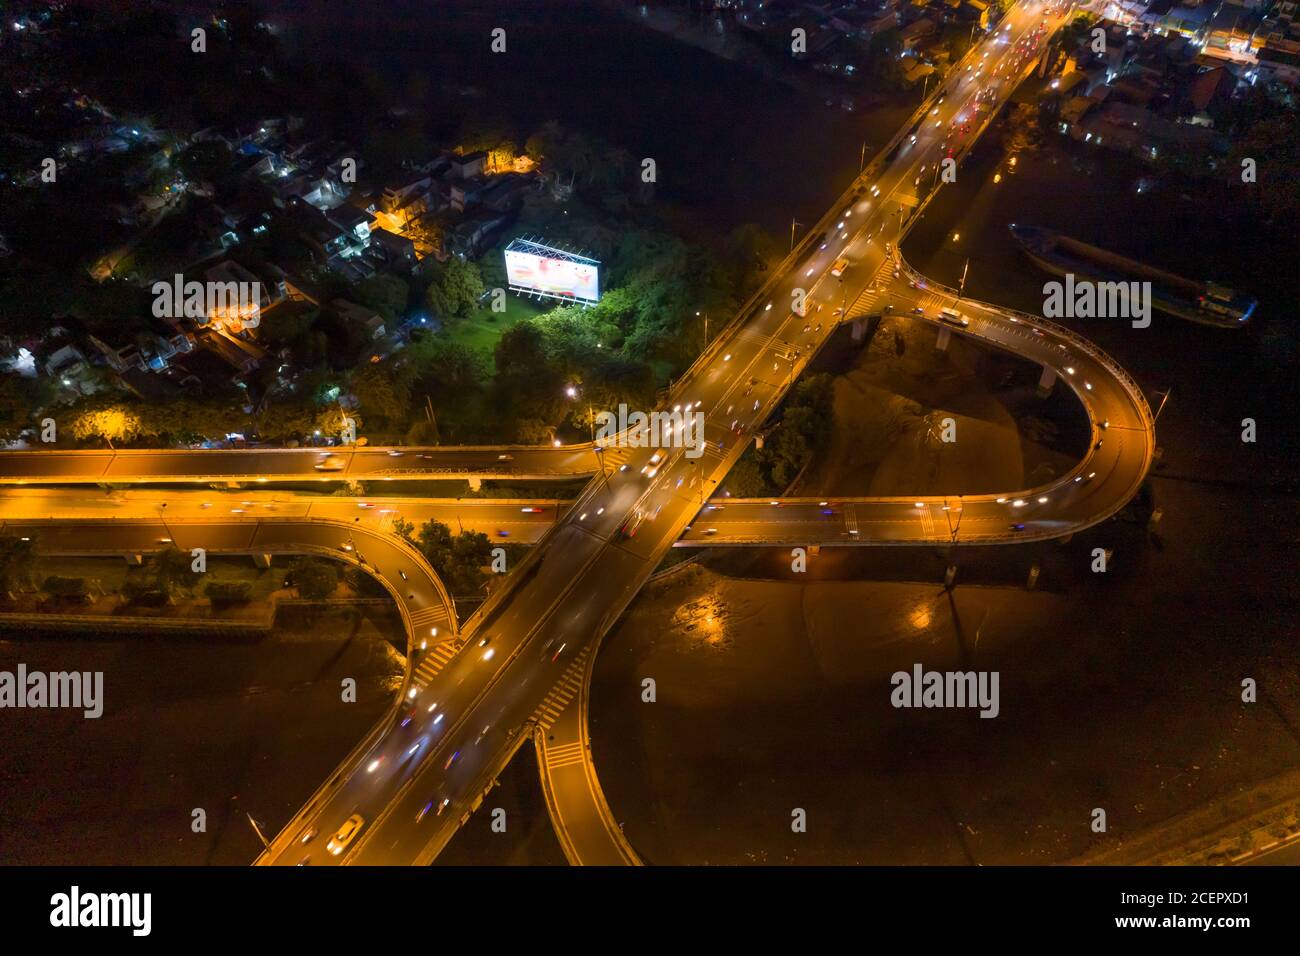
[(134, 560), (1033, 577), (261, 560), (475, 484), (941, 343), (859, 329), (1046, 381), (950, 575)]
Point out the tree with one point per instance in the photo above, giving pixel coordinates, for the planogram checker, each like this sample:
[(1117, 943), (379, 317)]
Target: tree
[(458, 560), (745, 480), (384, 391), (386, 294), (315, 578), (455, 288), (1273, 143), (226, 593), (20, 399), (112, 422), (173, 571), (66, 589), (17, 560), (283, 418), (423, 432)]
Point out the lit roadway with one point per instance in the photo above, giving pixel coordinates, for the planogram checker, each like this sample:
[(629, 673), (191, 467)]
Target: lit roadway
[(413, 781), (295, 464)]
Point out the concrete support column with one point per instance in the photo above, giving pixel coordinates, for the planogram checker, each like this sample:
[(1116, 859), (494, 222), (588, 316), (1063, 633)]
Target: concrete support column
[(134, 560), (859, 329), (261, 560), (945, 335), (1046, 381), (475, 484)]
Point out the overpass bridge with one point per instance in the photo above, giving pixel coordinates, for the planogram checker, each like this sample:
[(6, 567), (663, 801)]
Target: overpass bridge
[(539, 627)]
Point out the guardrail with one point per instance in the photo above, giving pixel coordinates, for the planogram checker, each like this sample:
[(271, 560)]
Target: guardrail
[(1078, 341)]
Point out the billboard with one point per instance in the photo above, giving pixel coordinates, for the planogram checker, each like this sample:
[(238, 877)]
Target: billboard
[(544, 270)]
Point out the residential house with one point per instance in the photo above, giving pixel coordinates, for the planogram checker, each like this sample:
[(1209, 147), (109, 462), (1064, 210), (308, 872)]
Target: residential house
[(469, 237), (398, 250), (368, 319), (468, 165)]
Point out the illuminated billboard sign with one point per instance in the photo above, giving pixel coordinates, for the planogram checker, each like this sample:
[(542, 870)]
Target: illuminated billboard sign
[(544, 270)]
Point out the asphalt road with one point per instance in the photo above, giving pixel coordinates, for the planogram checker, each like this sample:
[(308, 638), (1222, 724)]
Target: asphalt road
[(289, 464)]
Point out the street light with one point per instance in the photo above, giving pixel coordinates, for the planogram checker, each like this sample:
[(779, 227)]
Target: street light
[(1164, 398)]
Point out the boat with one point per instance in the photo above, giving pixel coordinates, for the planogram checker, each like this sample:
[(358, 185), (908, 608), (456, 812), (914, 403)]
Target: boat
[(1207, 303)]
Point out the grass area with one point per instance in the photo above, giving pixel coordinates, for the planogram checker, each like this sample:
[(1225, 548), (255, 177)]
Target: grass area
[(484, 328), (111, 573)]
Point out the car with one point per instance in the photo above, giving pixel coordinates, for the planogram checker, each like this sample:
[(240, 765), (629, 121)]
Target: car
[(530, 510), (632, 524), (1017, 526), (330, 463), (308, 835), (505, 457), (346, 834), (808, 327), (502, 533), (710, 531), (918, 310), (875, 190), (953, 317), (837, 270), (394, 453), (652, 467)]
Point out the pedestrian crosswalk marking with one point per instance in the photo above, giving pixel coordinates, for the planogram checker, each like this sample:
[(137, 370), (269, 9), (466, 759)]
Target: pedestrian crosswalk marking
[(565, 689)]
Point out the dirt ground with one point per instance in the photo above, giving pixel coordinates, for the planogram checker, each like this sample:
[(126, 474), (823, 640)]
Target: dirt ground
[(891, 402)]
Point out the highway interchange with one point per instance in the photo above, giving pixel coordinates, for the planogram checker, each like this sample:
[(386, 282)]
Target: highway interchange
[(420, 773)]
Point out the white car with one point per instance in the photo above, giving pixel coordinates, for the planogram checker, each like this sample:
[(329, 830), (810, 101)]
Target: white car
[(346, 833), (330, 463), (652, 468)]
